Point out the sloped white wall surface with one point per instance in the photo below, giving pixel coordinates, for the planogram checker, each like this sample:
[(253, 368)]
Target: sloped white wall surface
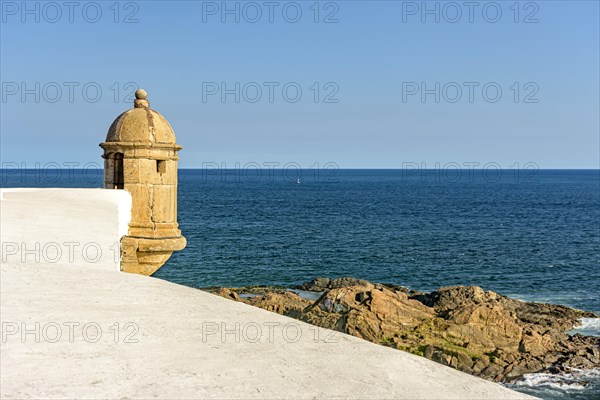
[(81, 227), (138, 337)]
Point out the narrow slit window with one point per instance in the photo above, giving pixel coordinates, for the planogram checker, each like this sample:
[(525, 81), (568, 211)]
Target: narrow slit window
[(118, 173), (161, 166)]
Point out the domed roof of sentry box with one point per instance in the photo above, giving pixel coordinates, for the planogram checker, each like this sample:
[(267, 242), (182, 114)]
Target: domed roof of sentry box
[(141, 124)]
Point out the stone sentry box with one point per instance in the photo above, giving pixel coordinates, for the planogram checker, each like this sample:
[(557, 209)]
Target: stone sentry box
[(140, 156)]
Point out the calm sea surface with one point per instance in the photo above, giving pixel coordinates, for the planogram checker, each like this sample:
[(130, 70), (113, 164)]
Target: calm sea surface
[(534, 235)]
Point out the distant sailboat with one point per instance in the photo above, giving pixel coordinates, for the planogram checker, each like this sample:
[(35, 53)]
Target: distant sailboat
[(297, 180)]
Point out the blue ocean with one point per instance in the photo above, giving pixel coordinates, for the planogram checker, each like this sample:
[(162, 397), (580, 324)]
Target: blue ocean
[(528, 234)]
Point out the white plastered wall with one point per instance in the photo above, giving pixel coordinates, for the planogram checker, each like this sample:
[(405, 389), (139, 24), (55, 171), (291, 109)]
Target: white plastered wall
[(81, 227)]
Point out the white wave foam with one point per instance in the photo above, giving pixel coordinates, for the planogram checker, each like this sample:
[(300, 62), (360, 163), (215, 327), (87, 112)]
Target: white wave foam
[(589, 327), (577, 379), (590, 323)]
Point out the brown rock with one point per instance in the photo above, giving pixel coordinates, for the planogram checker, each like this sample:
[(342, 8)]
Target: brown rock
[(480, 365), (322, 284), (224, 292), (465, 327), (492, 371), (287, 303), (534, 343)]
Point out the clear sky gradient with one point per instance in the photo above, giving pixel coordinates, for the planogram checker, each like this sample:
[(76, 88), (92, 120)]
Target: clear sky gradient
[(370, 60)]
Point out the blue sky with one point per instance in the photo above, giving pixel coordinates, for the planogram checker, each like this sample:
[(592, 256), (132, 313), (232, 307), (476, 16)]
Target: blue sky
[(370, 60)]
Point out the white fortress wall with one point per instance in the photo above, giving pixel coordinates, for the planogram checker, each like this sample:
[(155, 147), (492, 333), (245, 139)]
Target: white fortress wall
[(87, 333), (77, 227)]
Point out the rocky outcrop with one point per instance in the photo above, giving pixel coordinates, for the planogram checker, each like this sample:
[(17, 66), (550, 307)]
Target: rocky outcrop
[(322, 284), (479, 332)]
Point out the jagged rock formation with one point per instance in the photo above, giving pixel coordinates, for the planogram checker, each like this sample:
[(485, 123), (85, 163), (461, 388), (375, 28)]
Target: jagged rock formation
[(479, 332)]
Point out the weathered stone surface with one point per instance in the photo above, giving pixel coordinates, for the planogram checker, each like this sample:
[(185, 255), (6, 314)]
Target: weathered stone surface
[(321, 284), (224, 292), (140, 155), (479, 332), (286, 303)]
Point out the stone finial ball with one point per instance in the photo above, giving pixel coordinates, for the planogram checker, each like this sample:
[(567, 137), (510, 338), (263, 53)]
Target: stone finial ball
[(141, 94)]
